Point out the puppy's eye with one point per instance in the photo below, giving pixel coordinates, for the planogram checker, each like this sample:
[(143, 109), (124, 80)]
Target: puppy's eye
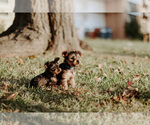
[(53, 69), (72, 59)]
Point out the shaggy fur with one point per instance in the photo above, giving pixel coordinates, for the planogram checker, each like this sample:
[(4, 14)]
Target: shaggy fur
[(48, 78), (66, 76)]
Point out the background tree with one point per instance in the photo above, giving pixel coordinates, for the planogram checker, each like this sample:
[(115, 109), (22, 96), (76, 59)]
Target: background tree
[(34, 30), (132, 29)]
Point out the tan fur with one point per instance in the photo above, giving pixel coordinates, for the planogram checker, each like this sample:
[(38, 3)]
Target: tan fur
[(67, 75)]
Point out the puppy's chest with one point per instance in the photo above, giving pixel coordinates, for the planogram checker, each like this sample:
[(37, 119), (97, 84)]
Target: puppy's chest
[(53, 79), (69, 73)]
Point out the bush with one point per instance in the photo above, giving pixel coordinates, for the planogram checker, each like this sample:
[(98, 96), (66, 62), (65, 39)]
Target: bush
[(132, 29)]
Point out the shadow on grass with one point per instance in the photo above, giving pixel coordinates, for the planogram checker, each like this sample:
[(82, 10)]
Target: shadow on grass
[(33, 99), (145, 95), (22, 81)]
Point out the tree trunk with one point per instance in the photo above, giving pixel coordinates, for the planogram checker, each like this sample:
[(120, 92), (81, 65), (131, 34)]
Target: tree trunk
[(36, 31), (64, 35)]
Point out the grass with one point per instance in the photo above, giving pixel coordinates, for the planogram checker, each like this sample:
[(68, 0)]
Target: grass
[(101, 80)]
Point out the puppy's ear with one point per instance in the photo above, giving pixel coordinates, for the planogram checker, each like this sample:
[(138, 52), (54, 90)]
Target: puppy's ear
[(64, 54), (79, 53), (56, 59), (47, 64)]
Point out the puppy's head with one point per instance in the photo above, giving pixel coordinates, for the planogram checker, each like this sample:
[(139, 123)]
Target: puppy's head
[(53, 66), (72, 58)]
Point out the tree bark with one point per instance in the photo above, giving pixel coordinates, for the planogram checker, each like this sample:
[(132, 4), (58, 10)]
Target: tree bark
[(36, 31), (64, 34)]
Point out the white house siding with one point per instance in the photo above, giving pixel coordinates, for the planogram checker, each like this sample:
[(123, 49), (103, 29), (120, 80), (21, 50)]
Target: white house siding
[(94, 21), (95, 6), (89, 14), (6, 12)]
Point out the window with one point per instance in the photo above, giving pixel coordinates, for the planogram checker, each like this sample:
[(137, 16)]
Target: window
[(5, 1)]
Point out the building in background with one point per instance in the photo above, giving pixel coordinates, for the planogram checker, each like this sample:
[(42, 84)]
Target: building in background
[(89, 15), (116, 16), (6, 15), (103, 14), (97, 16)]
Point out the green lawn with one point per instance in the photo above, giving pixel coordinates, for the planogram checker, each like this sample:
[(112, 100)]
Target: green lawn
[(101, 81)]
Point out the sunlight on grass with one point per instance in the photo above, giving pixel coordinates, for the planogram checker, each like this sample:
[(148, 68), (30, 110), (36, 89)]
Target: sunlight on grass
[(101, 80)]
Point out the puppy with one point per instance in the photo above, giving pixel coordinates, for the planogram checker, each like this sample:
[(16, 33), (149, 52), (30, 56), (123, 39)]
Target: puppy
[(48, 78), (66, 76)]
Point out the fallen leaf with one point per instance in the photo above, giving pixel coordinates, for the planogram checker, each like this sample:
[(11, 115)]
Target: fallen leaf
[(6, 85), (100, 66), (130, 83), (104, 74), (34, 72), (98, 79), (79, 71), (7, 106), (121, 61), (111, 68), (103, 103), (17, 110), (137, 78), (20, 61), (80, 99), (76, 93), (32, 57), (117, 98), (12, 96), (116, 71), (123, 101), (111, 89), (11, 69), (126, 93), (131, 92)]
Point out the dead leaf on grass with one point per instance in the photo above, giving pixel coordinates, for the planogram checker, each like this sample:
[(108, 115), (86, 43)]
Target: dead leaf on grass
[(17, 110), (20, 61), (12, 96), (130, 83), (100, 66), (111, 69), (121, 61), (11, 68), (116, 71), (111, 89), (6, 85), (131, 92), (116, 98), (32, 57), (137, 78), (98, 79), (104, 74)]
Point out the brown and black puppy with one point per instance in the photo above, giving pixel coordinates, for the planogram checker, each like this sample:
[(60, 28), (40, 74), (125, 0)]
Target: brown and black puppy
[(48, 78), (66, 76)]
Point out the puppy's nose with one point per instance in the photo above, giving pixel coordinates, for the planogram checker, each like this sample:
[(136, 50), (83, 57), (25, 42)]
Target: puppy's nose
[(78, 61)]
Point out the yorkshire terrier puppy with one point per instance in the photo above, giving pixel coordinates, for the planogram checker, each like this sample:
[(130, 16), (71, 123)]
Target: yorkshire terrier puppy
[(48, 78), (66, 76)]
